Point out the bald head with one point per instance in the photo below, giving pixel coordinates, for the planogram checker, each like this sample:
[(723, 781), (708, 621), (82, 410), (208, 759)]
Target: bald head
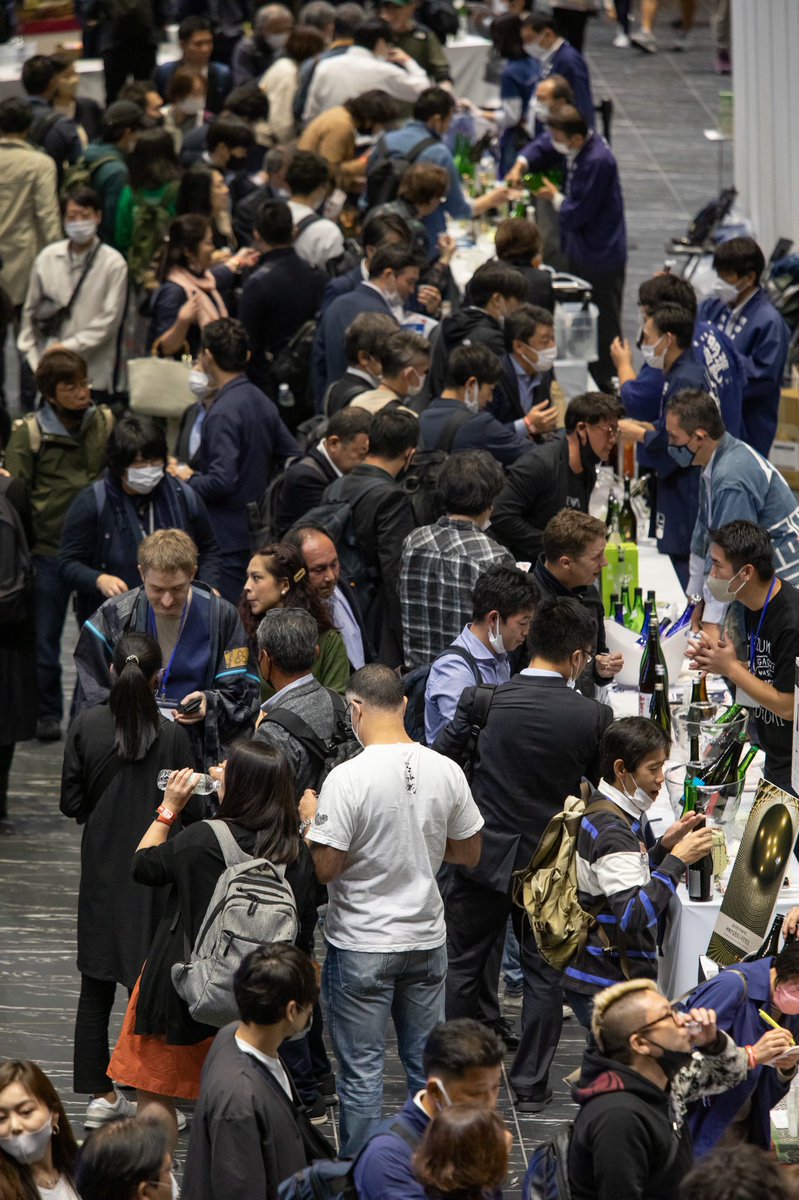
[(273, 19)]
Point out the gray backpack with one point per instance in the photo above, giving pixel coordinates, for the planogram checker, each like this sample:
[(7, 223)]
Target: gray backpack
[(252, 905)]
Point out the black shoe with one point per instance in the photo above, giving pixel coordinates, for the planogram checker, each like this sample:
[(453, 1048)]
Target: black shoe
[(317, 1112), (533, 1104), (48, 729), (506, 1032), (327, 1089)]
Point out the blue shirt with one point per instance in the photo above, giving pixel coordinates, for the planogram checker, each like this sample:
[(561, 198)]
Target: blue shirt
[(401, 142), (384, 1169), (450, 676), (343, 618), (527, 385)]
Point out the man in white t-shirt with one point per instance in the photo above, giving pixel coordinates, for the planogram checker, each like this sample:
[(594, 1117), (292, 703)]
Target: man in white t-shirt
[(380, 829)]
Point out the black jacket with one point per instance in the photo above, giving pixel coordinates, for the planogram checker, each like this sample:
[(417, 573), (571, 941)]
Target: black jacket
[(280, 296), (381, 525), (552, 589), (470, 325), (540, 738), (623, 1144), (305, 481), (244, 213), (479, 431), (535, 490), (247, 1135), (342, 393), (506, 404), (539, 284)]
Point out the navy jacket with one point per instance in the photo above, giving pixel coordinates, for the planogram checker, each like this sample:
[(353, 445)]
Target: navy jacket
[(592, 230), (220, 82), (329, 359), (341, 285), (736, 1004), (243, 441), (482, 431), (761, 338), (384, 1169), (278, 298), (569, 63), (677, 487), (506, 404)]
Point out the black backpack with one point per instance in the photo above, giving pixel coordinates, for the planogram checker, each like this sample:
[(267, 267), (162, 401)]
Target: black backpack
[(343, 263), (339, 748), (335, 515), (16, 566), (262, 515), (415, 683), (420, 480), (385, 170), (292, 365), (42, 126), (547, 1176), (328, 1179)]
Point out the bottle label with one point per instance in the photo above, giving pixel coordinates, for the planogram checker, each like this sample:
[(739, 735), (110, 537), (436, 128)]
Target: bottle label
[(644, 704)]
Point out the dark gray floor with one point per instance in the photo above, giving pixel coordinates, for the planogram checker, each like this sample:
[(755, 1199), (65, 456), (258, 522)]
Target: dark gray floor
[(668, 171)]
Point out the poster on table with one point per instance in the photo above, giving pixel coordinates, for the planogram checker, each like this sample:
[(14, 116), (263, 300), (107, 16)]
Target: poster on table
[(757, 875)]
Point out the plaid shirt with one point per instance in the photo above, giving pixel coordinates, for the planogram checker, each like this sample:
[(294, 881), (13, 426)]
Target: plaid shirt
[(440, 566)]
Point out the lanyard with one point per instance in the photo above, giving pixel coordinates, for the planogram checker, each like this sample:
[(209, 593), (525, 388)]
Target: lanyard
[(165, 676), (754, 636)]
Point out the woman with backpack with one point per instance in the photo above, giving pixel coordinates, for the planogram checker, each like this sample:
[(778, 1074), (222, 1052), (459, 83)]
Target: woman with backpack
[(113, 754), (147, 204), (161, 1049), (108, 519), (277, 578)]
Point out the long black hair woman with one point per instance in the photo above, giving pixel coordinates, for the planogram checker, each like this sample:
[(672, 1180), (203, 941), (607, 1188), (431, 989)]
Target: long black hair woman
[(161, 1049), (112, 758), (37, 1145)]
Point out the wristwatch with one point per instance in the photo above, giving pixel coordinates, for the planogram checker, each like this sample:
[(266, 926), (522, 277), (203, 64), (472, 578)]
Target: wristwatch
[(304, 825)]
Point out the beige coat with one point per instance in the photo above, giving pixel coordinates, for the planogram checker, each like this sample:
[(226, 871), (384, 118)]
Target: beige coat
[(29, 213)]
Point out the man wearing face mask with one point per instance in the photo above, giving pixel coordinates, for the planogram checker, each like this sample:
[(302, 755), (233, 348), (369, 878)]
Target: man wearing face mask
[(254, 55), (736, 996), (623, 872), (405, 359), (555, 474), (88, 281), (742, 310), (522, 396), (742, 568), (736, 484), (558, 57), (250, 1130), (645, 1065), (56, 452), (666, 347), (459, 419), (519, 781)]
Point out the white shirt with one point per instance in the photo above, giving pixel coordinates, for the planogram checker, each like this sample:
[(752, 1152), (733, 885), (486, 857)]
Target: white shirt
[(319, 242), (391, 809), (343, 618), (339, 79), (273, 1065), (62, 1191), (322, 449), (93, 324)]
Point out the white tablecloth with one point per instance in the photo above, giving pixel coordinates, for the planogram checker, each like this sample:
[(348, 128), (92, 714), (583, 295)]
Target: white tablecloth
[(92, 82), (468, 56)]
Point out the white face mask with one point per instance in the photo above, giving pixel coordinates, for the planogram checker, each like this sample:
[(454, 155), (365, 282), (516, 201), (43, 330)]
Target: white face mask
[(496, 640), (199, 383), (191, 105), (721, 589), (173, 1186), (80, 232), (540, 110), (440, 1084), (498, 7), (727, 292), (651, 357), (471, 397), (545, 359), (276, 41), (533, 50), (393, 298), (299, 1034), (29, 1147), (142, 480), (415, 388), (641, 799), (561, 147)]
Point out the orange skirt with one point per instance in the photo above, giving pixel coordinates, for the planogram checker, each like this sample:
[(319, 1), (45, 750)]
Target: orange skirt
[(146, 1062)]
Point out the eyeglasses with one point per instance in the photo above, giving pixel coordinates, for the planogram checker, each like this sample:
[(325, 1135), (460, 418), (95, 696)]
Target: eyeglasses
[(610, 431), (670, 1015)]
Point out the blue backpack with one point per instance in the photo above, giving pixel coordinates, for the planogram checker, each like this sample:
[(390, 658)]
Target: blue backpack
[(547, 1175), (329, 1179)]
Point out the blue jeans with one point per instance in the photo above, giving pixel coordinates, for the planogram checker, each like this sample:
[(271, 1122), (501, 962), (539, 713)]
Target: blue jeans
[(360, 991), (51, 597), (581, 1005), (511, 960)]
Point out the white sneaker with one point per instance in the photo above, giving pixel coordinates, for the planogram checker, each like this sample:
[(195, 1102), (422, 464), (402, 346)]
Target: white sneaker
[(644, 41), (182, 1122), (621, 40), (99, 1111)]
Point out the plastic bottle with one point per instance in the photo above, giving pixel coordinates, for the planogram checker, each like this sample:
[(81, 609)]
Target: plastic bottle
[(204, 786), (285, 396)]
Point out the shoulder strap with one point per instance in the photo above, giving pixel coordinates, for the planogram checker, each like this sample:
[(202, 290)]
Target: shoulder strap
[(451, 427), (299, 729), (306, 222), (87, 266), (98, 487), (419, 148), (404, 1131), (462, 652), (34, 432), (42, 126), (232, 852), (607, 806)]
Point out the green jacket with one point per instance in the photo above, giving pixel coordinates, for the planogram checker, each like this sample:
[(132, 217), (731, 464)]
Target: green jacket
[(425, 49), (109, 181), (56, 467)]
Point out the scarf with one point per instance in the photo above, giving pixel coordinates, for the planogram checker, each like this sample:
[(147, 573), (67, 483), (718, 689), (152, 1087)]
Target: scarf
[(212, 306)]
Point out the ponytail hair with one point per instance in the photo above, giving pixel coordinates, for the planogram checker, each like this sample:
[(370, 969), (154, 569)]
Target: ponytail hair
[(137, 659)]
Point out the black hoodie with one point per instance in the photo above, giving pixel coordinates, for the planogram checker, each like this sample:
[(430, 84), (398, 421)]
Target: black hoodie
[(469, 326), (624, 1146)]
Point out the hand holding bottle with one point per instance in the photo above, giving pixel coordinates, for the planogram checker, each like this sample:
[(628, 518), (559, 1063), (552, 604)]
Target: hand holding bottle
[(676, 832), (693, 846), (179, 789)]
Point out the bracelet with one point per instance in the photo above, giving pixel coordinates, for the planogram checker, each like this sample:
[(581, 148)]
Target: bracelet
[(165, 816), (305, 824), (750, 1054)]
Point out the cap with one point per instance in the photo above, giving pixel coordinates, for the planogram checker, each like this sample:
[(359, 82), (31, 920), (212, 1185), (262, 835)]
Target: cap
[(123, 114)]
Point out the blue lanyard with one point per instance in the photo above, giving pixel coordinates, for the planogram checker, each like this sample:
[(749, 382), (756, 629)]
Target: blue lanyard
[(754, 636), (154, 628)]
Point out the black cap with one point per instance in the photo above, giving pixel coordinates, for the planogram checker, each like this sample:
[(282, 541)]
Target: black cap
[(123, 114)]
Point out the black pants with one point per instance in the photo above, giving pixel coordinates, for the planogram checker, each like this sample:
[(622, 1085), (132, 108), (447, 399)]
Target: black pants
[(570, 25), (476, 920), (607, 288), (6, 757), (488, 1009), (91, 1053), (307, 1060), (623, 14), (119, 62)]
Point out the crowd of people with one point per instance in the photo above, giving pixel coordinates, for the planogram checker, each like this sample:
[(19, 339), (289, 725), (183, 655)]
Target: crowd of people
[(340, 652)]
